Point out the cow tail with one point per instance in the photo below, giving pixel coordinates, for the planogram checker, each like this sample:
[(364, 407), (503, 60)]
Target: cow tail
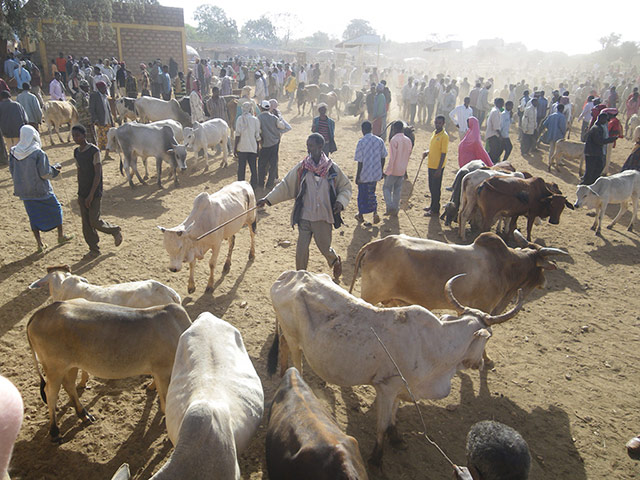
[(272, 358), (43, 383), (121, 168), (359, 258), (253, 225)]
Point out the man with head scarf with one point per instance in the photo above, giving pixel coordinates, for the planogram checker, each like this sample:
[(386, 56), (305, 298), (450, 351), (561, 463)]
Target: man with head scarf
[(321, 192), (246, 143), (84, 113), (471, 147), (246, 97), (595, 148), (195, 102), (379, 111), (145, 81), (262, 91), (101, 116), (30, 170)]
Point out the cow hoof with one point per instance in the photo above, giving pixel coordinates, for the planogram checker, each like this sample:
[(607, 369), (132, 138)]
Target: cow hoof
[(191, 289), (87, 416), (160, 186), (630, 229), (609, 227), (57, 440), (593, 227), (208, 290), (226, 268), (146, 177), (131, 185)]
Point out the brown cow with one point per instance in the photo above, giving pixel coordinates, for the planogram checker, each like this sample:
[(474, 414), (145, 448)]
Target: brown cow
[(303, 441), (331, 99), (307, 93), (512, 197)]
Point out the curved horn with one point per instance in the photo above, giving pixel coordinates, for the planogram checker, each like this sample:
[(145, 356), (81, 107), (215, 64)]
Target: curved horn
[(519, 238), (496, 319), (545, 251), (457, 306)]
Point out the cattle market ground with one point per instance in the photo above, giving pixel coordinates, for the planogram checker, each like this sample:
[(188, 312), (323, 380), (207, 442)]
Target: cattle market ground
[(566, 368)]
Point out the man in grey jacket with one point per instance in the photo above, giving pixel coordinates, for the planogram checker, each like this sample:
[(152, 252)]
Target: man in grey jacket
[(12, 118), (31, 106), (321, 191)]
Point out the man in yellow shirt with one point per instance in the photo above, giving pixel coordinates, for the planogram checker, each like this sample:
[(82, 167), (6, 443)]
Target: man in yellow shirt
[(437, 156)]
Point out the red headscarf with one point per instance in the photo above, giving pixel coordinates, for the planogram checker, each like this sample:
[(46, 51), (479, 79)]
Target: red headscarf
[(470, 147)]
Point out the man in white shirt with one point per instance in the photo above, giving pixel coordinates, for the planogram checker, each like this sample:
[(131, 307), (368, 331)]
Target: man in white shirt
[(492, 134), (460, 115), (98, 76), (585, 116), (56, 89), (246, 144)]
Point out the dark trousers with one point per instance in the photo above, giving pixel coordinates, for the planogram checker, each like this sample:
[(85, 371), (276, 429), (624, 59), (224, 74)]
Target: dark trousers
[(506, 148), (92, 223), (412, 113), (495, 148), (268, 162), (435, 185), (480, 115), (156, 88), (526, 143), (243, 159), (166, 96), (594, 164), (583, 131)]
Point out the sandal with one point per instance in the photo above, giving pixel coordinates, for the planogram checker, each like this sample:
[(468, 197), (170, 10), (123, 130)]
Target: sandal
[(65, 239)]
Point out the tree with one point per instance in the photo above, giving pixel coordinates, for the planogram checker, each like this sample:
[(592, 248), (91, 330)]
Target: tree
[(260, 31), (319, 40), (214, 24), (19, 17), (611, 40), (628, 50), (284, 24), (358, 27)]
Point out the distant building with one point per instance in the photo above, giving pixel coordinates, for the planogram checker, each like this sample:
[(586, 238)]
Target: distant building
[(139, 36)]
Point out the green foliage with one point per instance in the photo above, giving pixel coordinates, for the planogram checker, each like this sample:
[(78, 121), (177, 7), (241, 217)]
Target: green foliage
[(260, 31), (611, 40), (214, 25), (357, 27)]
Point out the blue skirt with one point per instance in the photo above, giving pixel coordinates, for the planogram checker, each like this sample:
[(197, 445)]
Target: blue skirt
[(367, 201), (44, 215)]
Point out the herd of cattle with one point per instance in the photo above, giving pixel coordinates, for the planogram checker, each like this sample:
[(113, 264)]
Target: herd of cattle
[(207, 386)]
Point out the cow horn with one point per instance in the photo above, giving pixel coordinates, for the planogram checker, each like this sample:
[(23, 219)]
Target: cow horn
[(457, 306), (496, 319), (519, 238), (545, 252)]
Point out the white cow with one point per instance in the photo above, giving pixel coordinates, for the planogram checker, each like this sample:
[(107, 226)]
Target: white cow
[(11, 412), (619, 188), (469, 195), (569, 151), (209, 211), (150, 109), (214, 403), (126, 108), (58, 113), (208, 134), (634, 122), (333, 330)]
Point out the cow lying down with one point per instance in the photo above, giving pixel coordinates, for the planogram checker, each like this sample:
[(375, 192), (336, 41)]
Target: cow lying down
[(332, 328)]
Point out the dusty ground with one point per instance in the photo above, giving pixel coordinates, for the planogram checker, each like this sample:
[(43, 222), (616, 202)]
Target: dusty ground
[(572, 395)]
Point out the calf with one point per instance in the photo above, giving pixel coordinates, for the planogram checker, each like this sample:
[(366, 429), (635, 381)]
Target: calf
[(108, 341), (151, 109), (209, 211), (512, 197), (208, 134), (214, 403), (619, 188), (569, 151), (333, 330), (11, 412), (126, 108), (294, 450), (56, 114)]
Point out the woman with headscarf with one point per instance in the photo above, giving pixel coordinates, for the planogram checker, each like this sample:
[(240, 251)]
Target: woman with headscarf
[(471, 147), (195, 102), (30, 170)]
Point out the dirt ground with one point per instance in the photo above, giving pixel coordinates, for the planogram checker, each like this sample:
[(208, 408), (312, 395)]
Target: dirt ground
[(564, 367)]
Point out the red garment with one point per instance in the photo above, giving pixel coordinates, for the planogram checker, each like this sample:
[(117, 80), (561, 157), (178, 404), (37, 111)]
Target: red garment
[(615, 129), (595, 112), (632, 105), (4, 86), (471, 147), (61, 63)]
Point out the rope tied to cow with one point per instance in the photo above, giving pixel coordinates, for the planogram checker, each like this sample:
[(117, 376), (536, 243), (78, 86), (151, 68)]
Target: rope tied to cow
[(413, 399), (215, 229)]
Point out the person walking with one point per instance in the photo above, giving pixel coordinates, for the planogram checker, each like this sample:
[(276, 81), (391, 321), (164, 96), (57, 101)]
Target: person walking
[(145, 81), (165, 83), (179, 86), (400, 148), (506, 119), (30, 170), (492, 134), (370, 155), (460, 115), (595, 150), (56, 89), (101, 116), (82, 99), (321, 192), (585, 116), (436, 160), (31, 106), (556, 129), (89, 173), (246, 143), (326, 127), (528, 125)]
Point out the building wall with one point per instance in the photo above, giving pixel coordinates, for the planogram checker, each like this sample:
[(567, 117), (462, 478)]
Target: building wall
[(137, 36)]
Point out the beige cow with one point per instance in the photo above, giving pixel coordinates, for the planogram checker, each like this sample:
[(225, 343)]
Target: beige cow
[(58, 113)]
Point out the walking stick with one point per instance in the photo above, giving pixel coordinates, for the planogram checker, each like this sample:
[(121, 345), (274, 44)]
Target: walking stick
[(415, 179), (226, 223)]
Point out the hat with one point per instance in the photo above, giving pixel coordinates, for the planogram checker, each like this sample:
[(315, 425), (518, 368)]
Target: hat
[(322, 105), (273, 103), (84, 83), (610, 111), (380, 87), (265, 104)]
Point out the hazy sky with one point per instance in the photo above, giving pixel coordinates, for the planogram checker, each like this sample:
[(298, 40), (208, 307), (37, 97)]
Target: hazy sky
[(578, 30)]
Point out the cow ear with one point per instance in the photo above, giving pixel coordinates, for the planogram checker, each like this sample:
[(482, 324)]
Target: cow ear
[(483, 332), (162, 229), (170, 150), (592, 191), (568, 204), (546, 264)]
